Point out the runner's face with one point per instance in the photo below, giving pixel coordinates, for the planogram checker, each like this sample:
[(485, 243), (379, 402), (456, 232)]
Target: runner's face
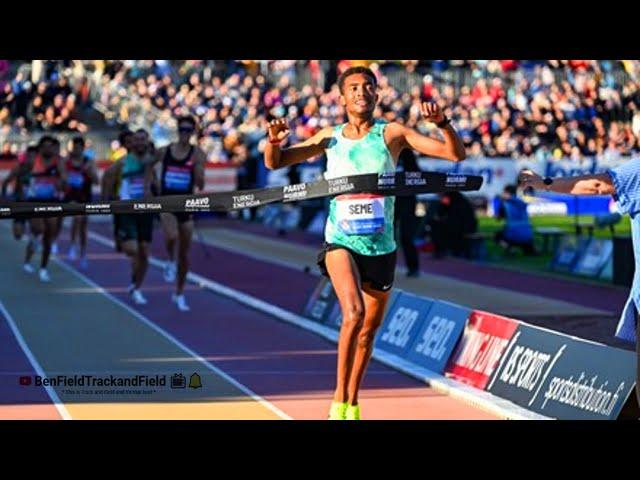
[(185, 130), (128, 142), (48, 149), (140, 143), (359, 95), (78, 149)]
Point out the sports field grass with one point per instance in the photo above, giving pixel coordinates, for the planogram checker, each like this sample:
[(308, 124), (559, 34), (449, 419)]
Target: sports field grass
[(540, 263)]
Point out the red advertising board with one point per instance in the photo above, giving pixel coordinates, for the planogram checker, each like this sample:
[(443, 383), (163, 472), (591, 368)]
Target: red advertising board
[(484, 341)]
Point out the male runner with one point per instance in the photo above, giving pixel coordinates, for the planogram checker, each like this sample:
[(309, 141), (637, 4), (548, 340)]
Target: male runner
[(126, 180), (47, 177), (124, 139), (81, 175), (182, 169), (19, 175), (359, 255)]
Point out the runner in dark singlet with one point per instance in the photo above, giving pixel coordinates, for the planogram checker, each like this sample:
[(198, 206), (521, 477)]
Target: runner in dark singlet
[(182, 169), (59, 220), (19, 175), (46, 182), (81, 175), (124, 139)]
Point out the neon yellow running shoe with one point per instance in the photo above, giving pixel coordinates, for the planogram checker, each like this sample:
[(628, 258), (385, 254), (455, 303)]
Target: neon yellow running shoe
[(337, 411), (352, 412)]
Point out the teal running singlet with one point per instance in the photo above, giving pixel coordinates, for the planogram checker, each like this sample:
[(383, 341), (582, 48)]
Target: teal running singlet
[(360, 222), (132, 179)]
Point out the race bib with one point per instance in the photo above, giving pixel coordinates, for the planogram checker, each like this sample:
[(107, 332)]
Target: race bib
[(42, 189), (75, 179), (361, 214), (132, 188), (177, 179)]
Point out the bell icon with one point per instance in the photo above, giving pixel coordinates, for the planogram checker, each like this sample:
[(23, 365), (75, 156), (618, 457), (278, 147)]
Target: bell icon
[(194, 381)]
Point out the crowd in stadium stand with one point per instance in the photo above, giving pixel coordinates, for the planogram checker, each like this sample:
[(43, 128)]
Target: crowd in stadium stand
[(49, 103), (502, 108)]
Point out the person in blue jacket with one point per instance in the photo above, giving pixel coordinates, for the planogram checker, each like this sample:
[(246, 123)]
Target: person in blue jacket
[(517, 231)]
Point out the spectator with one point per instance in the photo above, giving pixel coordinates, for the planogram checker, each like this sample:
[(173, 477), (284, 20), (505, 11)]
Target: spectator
[(454, 218), (8, 153), (504, 107), (405, 217), (518, 231)]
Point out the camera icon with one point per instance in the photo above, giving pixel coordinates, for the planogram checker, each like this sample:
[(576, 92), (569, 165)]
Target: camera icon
[(178, 380)]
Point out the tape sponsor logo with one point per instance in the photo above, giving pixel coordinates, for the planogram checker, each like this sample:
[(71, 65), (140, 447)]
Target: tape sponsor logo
[(147, 206), (483, 343), (294, 188), (414, 178), (197, 203), (339, 185), (387, 180), (48, 208), (456, 180), (97, 208), (245, 201), (294, 192)]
